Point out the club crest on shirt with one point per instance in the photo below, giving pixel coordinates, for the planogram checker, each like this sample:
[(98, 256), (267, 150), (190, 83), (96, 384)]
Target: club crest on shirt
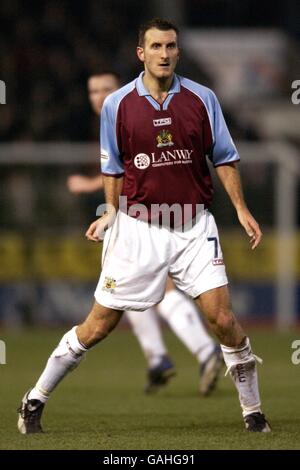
[(164, 139), (109, 284)]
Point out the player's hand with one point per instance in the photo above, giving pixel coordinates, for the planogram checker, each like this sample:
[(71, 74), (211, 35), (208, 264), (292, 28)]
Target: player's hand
[(251, 226), (80, 184), (96, 231)]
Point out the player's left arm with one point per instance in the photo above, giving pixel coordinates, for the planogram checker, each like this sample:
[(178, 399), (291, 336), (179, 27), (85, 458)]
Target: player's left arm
[(224, 156), (230, 178)]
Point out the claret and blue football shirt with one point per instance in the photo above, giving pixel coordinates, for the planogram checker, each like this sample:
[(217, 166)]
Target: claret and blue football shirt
[(162, 149)]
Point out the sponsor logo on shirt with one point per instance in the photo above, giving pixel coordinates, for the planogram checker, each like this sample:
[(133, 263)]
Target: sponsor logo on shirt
[(162, 122), (164, 139), (142, 161), (164, 158)]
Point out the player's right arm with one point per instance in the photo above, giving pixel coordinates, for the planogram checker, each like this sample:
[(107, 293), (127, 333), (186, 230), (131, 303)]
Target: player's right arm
[(112, 170), (113, 188)]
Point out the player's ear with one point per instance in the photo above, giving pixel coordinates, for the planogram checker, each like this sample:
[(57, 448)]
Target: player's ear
[(140, 53)]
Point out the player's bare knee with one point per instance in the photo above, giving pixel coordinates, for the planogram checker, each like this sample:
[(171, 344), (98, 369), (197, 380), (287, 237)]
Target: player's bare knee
[(222, 319), (101, 327), (99, 333), (92, 332), (225, 321), (99, 323)]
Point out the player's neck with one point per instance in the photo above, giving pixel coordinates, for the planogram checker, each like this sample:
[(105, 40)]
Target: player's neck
[(158, 88)]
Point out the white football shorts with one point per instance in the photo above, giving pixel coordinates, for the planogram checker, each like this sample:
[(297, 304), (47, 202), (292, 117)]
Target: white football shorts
[(137, 258)]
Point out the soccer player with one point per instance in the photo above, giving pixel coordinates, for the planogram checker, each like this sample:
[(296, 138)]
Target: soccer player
[(156, 135), (99, 86), (178, 311)]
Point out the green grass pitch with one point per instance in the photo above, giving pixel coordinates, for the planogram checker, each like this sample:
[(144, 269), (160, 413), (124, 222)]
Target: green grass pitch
[(101, 405)]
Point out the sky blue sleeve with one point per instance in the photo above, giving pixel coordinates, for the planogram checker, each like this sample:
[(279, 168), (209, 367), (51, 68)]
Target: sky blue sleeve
[(224, 150), (111, 163)]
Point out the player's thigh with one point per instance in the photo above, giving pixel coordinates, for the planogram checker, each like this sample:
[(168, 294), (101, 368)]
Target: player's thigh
[(170, 284), (135, 265), (199, 266)]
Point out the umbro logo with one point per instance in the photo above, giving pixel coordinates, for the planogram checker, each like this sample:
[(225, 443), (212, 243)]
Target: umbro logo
[(31, 407), (162, 122)]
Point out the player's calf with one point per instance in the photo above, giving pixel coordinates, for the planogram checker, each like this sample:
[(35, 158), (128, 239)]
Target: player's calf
[(216, 306)]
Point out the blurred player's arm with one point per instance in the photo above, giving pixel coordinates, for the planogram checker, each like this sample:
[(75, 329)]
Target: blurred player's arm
[(112, 167), (112, 188), (230, 178), (84, 184)]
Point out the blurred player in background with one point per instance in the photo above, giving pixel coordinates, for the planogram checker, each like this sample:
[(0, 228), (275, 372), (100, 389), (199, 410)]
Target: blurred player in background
[(99, 86), (146, 126), (176, 309)]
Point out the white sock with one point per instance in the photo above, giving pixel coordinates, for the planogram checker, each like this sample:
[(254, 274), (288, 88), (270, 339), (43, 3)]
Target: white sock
[(183, 318), (64, 358), (241, 363), (146, 328)]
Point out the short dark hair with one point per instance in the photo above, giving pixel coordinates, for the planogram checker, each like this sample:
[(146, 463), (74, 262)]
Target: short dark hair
[(158, 23), (99, 73)]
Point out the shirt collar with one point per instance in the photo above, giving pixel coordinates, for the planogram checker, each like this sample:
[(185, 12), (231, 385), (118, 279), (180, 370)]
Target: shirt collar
[(142, 90)]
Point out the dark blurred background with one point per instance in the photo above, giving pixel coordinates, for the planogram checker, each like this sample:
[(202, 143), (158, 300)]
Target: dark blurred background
[(248, 52), (48, 49)]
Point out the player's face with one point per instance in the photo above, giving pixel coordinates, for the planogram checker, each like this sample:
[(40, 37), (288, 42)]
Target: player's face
[(160, 53), (99, 87)]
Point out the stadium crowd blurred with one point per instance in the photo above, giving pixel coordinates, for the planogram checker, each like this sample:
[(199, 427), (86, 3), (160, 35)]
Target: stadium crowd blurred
[(47, 50), (46, 54)]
